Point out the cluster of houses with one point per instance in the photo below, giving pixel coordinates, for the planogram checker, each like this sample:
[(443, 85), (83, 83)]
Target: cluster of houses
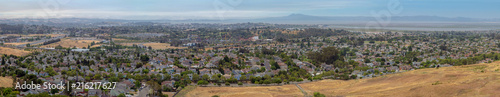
[(162, 62)]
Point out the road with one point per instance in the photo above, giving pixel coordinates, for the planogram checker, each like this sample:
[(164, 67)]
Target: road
[(41, 41)]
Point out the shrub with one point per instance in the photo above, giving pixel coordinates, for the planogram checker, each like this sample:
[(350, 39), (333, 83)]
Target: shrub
[(317, 94)]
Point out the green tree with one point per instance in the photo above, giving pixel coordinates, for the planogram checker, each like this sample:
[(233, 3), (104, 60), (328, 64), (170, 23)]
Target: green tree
[(202, 82), (243, 77), (196, 77), (205, 77), (327, 55), (121, 95), (317, 94)]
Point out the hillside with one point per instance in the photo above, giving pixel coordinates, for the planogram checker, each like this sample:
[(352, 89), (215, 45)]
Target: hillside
[(470, 80), (261, 91)]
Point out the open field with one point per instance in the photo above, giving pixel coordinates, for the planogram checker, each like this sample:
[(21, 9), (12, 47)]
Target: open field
[(68, 43), (261, 91), (448, 81), (162, 46), (6, 81), (154, 45), (12, 51), (121, 40), (469, 80), (17, 43), (31, 35)]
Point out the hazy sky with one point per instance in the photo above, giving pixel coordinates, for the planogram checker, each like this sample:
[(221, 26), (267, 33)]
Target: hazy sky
[(242, 9)]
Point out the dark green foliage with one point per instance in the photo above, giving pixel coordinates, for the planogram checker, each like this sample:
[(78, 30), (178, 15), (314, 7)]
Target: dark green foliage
[(144, 58), (317, 94), (326, 55)]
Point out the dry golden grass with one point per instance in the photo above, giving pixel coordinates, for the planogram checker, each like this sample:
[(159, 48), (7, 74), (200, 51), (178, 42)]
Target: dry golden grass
[(154, 45), (162, 46), (17, 43), (31, 35), (446, 81), (129, 44), (68, 43), (97, 45), (12, 51), (465, 81), (119, 39), (51, 35), (170, 94), (261, 91), (6, 81)]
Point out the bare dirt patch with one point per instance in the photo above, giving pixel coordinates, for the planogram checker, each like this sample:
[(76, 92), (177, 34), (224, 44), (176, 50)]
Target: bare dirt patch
[(6, 82)]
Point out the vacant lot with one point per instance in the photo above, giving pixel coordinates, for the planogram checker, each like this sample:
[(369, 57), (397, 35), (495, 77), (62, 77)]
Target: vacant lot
[(471, 80), (261, 91), (12, 51), (69, 43), (5, 81)]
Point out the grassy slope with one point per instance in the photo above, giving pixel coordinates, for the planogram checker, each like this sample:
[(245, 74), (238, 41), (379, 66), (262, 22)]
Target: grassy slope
[(260, 91), (470, 80)]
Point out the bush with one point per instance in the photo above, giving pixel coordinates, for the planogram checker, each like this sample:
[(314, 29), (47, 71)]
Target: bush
[(300, 80), (317, 94), (203, 82), (239, 83), (436, 83)]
